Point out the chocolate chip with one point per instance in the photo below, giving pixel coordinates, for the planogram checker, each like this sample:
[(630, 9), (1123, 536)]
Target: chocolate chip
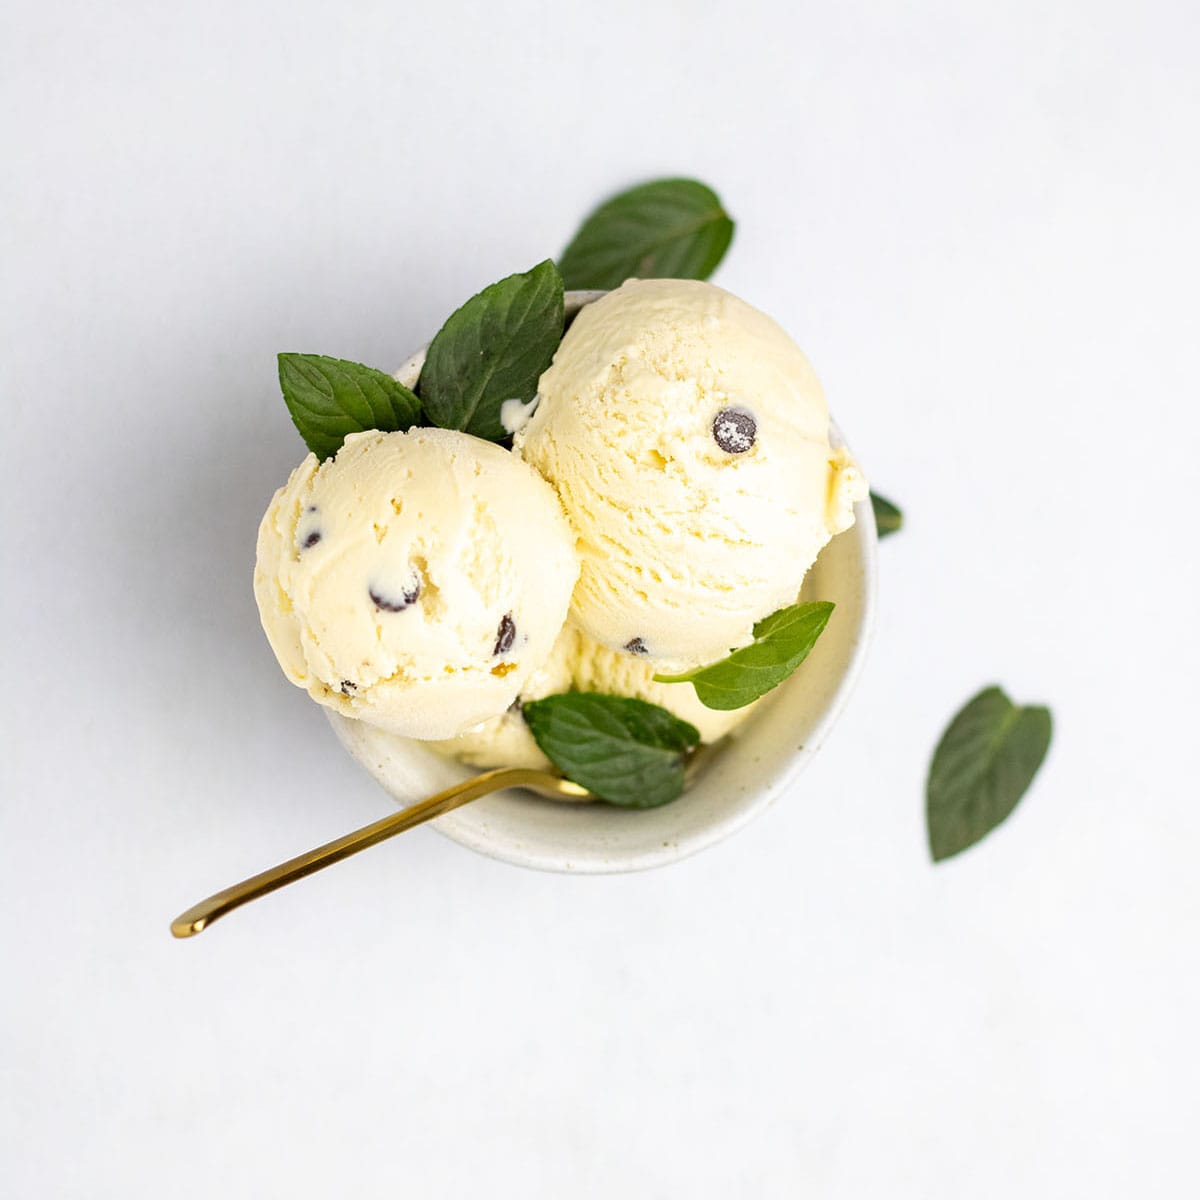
[(312, 539), (635, 646), (396, 604), (347, 687), (505, 635), (733, 429)]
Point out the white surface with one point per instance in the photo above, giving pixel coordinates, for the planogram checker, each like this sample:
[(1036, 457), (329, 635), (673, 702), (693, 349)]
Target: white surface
[(980, 222)]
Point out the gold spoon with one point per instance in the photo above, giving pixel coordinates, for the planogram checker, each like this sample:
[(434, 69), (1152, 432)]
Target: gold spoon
[(200, 916)]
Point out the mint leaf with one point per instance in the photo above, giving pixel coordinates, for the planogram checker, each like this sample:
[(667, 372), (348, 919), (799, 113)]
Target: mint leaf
[(781, 643), (888, 518), (330, 398), (981, 768), (494, 348), (626, 751), (668, 229)]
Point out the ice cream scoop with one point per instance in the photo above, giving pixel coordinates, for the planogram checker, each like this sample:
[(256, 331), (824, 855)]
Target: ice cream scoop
[(576, 663), (688, 438), (415, 580)]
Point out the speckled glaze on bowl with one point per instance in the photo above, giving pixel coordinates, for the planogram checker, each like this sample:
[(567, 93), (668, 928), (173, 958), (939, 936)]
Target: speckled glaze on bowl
[(752, 768)]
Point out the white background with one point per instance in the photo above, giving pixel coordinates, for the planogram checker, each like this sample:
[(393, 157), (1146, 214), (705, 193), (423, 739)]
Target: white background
[(980, 220)]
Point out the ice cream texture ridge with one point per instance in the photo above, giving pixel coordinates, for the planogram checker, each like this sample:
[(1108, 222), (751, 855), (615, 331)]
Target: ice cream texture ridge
[(416, 580), (671, 485), (688, 438)]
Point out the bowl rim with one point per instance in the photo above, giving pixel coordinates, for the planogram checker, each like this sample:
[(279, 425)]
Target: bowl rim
[(476, 834)]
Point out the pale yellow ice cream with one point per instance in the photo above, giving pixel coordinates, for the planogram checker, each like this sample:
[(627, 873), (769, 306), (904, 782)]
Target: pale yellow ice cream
[(578, 663), (416, 580), (688, 438)]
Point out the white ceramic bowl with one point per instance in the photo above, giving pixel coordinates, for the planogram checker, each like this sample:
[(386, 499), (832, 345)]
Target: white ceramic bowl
[(753, 767)]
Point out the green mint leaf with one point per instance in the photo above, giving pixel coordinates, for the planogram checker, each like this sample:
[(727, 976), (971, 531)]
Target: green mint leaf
[(330, 398), (981, 768), (781, 643), (494, 348), (668, 229), (888, 518), (626, 751)]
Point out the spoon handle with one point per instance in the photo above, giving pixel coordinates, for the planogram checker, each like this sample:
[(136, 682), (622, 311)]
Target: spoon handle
[(200, 916)]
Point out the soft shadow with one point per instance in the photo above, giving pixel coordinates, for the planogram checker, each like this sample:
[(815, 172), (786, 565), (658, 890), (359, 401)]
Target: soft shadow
[(193, 489)]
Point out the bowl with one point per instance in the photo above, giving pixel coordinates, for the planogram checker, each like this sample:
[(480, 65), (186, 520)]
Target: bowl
[(747, 772)]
